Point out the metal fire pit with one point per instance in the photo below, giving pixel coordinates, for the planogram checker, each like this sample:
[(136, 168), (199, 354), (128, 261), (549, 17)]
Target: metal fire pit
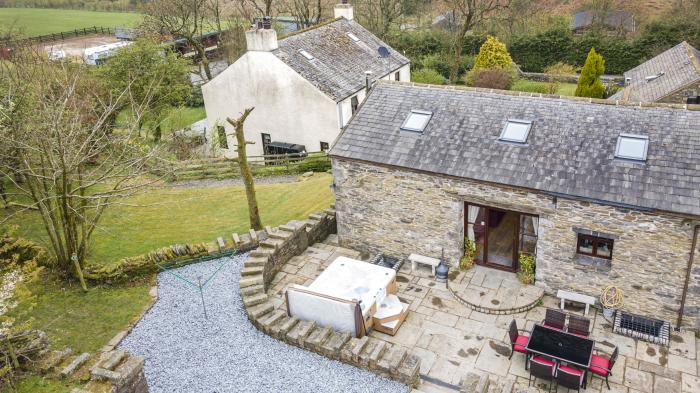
[(648, 329), (387, 261)]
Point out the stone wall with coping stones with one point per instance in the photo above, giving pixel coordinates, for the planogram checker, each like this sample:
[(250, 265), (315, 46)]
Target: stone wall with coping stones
[(283, 243), (401, 212)]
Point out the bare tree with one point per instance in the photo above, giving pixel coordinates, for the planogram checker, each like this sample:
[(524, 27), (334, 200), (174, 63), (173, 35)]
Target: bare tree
[(379, 15), (306, 12), (246, 174), (181, 19), (468, 15), (259, 7), (54, 118)]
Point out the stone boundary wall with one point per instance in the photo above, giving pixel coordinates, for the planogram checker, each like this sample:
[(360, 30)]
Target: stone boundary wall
[(117, 372), (283, 243)]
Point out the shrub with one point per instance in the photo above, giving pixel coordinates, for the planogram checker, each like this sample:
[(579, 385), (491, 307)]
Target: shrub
[(560, 68), (195, 99), (589, 84), (491, 78), (428, 75), (534, 53), (467, 260), (493, 55)]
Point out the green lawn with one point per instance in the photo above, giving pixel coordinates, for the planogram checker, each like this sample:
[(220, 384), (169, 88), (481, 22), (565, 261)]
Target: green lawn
[(565, 89), (177, 119), (169, 215), (84, 321), (36, 21), (37, 384)]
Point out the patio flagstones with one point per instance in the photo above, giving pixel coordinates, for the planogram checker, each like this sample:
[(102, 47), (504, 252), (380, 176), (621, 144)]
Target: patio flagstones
[(452, 340)]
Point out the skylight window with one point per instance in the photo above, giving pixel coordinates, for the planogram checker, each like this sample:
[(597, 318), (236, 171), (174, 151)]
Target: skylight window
[(306, 54), (353, 37), (632, 147), (515, 131), (416, 121)]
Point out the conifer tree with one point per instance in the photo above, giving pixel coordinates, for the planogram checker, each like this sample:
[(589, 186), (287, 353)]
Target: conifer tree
[(589, 83), (493, 55)]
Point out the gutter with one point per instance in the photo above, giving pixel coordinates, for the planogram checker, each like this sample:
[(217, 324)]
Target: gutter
[(687, 275)]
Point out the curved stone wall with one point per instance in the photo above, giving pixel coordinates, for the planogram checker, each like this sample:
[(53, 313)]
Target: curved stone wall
[(263, 263)]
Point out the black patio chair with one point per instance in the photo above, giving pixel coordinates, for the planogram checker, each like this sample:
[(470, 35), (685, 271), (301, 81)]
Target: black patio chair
[(569, 377), (578, 325), (518, 342), (554, 319), (602, 366), (542, 368)]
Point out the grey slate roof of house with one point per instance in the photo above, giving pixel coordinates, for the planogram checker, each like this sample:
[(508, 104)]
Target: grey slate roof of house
[(570, 149), (680, 66), (339, 64)]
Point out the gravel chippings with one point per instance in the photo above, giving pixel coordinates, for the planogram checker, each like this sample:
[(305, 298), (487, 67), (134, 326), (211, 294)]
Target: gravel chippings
[(187, 353)]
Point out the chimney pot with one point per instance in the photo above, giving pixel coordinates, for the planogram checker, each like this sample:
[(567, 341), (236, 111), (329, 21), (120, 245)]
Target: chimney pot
[(266, 23)]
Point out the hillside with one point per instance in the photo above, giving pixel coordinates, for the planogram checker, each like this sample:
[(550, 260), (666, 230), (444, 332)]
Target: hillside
[(38, 21)]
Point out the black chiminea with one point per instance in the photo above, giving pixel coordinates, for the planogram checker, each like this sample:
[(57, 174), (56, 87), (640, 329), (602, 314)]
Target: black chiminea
[(267, 22), (442, 269), (343, 1)]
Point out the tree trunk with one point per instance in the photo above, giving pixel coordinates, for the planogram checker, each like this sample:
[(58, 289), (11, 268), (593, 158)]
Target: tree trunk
[(157, 134), (246, 174), (203, 59)]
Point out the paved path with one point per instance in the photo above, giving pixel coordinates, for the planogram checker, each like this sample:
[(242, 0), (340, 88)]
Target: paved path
[(187, 353)]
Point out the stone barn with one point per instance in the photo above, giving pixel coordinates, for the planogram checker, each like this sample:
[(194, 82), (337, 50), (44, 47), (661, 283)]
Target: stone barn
[(599, 192)]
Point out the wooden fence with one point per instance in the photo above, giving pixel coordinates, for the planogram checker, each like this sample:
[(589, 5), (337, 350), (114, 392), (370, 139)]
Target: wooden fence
[(266, 165), (59, 36)]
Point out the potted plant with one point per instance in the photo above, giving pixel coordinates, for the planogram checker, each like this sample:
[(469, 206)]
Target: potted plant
[(467, 260), (526, 275), (611, 299)]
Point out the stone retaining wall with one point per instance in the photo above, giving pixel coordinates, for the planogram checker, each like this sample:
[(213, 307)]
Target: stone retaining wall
[(283, 243), (116, 372)]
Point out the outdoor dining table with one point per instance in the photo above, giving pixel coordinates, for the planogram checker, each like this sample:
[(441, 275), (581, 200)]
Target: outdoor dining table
[(562, 346)]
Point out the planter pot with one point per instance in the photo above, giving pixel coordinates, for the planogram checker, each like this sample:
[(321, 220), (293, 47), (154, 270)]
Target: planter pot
[(608, 312)]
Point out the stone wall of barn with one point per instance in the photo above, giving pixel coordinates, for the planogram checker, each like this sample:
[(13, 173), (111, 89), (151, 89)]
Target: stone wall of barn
[(401, 212), (681, 96)]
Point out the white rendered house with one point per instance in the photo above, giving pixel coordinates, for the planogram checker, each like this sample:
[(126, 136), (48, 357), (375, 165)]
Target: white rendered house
[(304, 87)]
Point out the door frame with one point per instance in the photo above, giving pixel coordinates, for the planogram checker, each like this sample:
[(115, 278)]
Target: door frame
[(515, 237)]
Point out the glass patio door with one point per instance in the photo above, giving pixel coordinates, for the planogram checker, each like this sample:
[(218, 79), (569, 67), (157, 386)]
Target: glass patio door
[(495, 235)]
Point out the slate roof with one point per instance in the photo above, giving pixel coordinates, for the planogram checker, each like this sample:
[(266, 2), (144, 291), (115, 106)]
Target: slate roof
[(569, 152), (339, 64), (680, 66)]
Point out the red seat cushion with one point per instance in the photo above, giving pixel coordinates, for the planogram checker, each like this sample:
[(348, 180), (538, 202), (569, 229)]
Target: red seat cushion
[(542, 360), (571, 370), (600, 365), (520, 344), (552, 327)]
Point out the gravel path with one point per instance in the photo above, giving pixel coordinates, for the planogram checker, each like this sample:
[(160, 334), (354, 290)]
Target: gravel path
[(186, 353)]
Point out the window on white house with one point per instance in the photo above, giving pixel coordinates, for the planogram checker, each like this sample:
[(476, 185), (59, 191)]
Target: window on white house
[(306, 54), (324, 146), (416, 121), (354, 103), (397, 76), (632, 147), (516, 131)]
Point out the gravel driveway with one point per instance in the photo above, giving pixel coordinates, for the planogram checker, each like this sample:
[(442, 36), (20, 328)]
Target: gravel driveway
[(187, 353)]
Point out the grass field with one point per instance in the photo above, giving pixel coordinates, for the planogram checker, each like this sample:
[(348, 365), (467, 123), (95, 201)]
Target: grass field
[(565, 89), (177, 119), (170, 215), (36, 21)]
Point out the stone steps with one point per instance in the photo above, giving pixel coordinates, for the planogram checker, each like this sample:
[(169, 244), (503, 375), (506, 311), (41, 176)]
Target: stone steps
[(74, 365)]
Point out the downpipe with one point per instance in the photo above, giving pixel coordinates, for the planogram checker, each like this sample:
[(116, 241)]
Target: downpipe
[(687, 276)]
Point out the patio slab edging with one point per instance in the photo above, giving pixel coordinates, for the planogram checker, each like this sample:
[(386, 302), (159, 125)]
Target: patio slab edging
[(494, 311), (283, 243)]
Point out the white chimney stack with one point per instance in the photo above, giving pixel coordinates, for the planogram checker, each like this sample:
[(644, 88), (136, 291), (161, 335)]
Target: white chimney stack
[(262, 37), (343, 9)]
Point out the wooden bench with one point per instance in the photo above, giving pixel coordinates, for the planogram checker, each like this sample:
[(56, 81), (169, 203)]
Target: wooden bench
[(423, 260), (575, 297)]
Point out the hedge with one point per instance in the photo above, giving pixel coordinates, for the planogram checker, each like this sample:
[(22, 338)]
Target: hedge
[(534, 53)]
